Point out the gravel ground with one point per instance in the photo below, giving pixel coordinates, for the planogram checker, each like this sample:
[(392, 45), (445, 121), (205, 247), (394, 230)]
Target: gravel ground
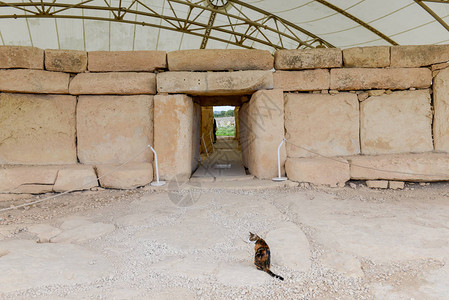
[(328, 243)]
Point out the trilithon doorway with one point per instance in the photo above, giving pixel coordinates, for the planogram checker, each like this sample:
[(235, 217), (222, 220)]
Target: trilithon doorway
[(221, 156)]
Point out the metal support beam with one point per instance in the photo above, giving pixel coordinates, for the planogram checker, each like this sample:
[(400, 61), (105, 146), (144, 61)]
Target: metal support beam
[(433, 14)]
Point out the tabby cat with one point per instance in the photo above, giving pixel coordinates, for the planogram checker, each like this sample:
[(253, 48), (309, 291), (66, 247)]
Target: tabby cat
[(262, 257)]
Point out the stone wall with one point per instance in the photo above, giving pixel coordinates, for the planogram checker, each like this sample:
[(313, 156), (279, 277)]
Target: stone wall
[(73, 115)]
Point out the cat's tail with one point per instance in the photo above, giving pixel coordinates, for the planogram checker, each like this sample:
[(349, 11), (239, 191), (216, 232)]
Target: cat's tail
[(274, 275)]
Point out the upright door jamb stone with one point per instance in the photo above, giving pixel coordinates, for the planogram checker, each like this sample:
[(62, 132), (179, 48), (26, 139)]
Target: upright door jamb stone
[(173, 129), (266, 121)]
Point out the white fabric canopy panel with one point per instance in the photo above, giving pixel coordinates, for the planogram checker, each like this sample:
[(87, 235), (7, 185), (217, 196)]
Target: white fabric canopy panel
[(221, 24)]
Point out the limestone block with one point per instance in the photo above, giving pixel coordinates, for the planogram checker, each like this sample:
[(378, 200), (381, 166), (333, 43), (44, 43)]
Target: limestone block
[(207, 124), (196, 136), (173, 118), (37, 129), (396, 123), (323, 123), (220, 60), (396, 185), (70, 61), (266, 118), (441, 107), (214, 83), (114, 129), (319, 58), (75, 178), (321, 171), (367, 57), (21, 57), (34, 81), (125, 61), (401, 167), (129, 176), (367, 78), (377, 184), (417, 56), (115, 83), (290, 247), (245, 133), (27, 179), (308, 80)]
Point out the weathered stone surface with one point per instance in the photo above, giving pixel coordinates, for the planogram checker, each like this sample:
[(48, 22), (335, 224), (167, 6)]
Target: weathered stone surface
[(290, 247), (52, 265), (367, 57), (366, 79), (114, 83), (207, 124), (377, 184), (308, 59), (71, 61), (14, 179), (113, 129), (406, 167), (387, 122), (44, 232), (75, 178), (220, 60), (343, 263), (323, 171), (37, 129), (396, 185), (173, 123), (327, 124), (129, 176), (34, 81), (125, 61), (308, 80), (266, 124), (417, 56), (441, 107), (196, 136), (214, 83), (20, 57), (83, 233)]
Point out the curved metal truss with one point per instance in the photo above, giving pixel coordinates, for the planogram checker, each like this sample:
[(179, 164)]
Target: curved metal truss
[(229, 21), (195, 17)]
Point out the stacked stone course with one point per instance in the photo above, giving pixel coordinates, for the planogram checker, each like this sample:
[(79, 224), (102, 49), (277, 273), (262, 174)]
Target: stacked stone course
[(68, 116)]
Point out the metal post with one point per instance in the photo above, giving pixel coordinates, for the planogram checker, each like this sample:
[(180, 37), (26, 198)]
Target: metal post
[(157, 183), (279, 178)]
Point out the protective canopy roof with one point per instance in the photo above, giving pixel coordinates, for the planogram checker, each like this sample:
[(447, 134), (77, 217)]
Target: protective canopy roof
[(221, 24)]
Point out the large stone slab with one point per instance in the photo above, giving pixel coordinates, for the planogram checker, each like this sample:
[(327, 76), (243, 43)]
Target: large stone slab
[(417, 56), (319, 58), (114, 129), (129, 176), (308, 80), (318, 170), (27, 179), (371, 78), (290, 247), (266, 123), (207, 124), (34, 81), (37, 129), (322, 123), (214, 83), (83, 233), (441, 108), (52, 264), (70, 61), (114, 83), (21, 57), (126, 61), (173, 125), (387, 121), (75, 178), (219, 60), (367, 57), (403, 167)]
